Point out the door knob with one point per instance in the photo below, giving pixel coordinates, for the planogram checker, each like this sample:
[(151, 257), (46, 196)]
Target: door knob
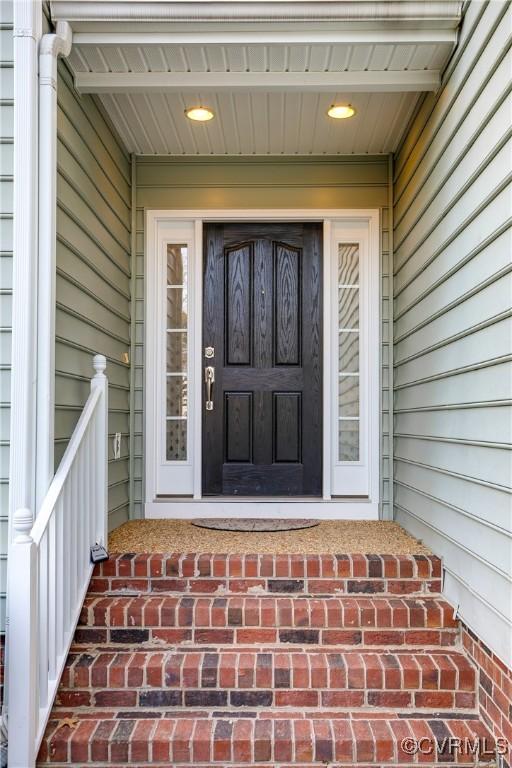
[(209, 378)]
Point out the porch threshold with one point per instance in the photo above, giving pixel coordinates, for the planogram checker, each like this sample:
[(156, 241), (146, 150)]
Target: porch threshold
[(317, 508)]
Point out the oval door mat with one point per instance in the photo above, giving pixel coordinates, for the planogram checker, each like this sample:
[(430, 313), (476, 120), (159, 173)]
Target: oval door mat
[(251, 525)]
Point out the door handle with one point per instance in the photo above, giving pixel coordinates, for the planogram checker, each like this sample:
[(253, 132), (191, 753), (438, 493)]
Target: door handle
[(209, 378)]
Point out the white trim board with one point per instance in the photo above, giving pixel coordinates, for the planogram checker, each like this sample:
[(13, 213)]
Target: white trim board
[(183, 479), (315, 509), (442, 14), (164, 82)]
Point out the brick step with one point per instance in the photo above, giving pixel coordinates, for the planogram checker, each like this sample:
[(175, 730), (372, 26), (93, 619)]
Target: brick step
[(349, 739), (268, 574), (277, 678), (247, 620)]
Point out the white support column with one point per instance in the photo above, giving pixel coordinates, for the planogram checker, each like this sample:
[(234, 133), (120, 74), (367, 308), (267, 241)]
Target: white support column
[(100, 479), (27, 32), (52, 46), (22, 665)]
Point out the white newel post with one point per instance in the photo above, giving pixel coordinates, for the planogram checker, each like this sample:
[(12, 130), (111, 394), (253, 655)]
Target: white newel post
[(52, 46), (100, 381), (23, 658)]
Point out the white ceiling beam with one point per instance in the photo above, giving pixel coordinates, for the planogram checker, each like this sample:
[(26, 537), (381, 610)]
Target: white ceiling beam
[(350, 82), (134, 34)]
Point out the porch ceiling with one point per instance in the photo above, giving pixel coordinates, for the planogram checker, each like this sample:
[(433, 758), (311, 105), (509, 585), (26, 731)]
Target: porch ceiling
[(269, 70)]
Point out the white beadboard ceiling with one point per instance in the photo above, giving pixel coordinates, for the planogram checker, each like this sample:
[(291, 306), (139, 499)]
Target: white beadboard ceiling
[(259, 58), (269, 83), (259, 123)]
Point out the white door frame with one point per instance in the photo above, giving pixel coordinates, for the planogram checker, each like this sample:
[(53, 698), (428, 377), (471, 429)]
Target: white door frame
[(191, 504)]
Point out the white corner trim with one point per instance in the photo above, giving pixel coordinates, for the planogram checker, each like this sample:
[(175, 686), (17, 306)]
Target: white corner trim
[(52, 46), (150, 357)]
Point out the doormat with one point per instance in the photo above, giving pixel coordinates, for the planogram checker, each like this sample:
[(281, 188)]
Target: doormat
[(252, 525)]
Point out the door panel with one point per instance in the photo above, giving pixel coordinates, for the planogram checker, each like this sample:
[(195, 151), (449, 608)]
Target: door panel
[(238, 411), (262, 315), (287, 306), (238, 306), (287, 413)]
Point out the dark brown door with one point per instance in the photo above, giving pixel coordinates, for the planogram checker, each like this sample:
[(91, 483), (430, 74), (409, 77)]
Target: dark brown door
[(262, 318)]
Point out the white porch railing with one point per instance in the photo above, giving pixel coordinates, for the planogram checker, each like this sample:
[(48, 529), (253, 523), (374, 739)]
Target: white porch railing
[(49, 572)]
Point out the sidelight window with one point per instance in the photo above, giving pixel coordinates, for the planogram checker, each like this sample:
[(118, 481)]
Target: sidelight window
[(348, 352), (177, 395)]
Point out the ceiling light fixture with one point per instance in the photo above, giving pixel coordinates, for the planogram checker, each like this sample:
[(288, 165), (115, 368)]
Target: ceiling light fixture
[(341, 111), (201, 114)]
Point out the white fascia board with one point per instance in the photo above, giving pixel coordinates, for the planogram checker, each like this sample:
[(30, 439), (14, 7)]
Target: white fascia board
[(435, 13), (354, 82)]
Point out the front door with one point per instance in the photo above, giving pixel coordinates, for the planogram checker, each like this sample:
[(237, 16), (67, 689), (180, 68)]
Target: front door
[(262, 347)]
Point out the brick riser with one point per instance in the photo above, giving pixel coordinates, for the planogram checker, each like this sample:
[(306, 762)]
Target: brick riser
[(198, 741), (267, 574), (340, 621), (266, 660), (305, 679)]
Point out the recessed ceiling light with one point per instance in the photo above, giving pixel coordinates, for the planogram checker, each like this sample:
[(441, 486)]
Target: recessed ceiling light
[(202, 114), (341, 111)]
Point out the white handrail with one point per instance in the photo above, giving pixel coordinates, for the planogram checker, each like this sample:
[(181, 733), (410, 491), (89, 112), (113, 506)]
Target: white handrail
[(49, 573), (65, 466)]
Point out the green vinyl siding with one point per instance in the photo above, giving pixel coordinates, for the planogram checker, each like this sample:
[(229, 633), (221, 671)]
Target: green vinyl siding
[(167, 183), (452, 333), (93, 276), (6, 216)]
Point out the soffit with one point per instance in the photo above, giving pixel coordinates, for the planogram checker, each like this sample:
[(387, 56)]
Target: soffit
[(259, 123), (268, 69)]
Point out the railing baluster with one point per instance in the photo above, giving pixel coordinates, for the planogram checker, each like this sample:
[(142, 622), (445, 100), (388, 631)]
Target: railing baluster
[(66, 555), (81, 520), (87, 473), (73, 570), (42, 621), (59, 592), (91, 507), (51, 598)]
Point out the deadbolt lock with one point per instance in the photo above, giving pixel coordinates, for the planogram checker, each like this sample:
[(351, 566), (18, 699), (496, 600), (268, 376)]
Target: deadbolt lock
[(209, 352)]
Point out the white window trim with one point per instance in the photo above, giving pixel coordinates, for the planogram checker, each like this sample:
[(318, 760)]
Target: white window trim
[(164, 226)]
